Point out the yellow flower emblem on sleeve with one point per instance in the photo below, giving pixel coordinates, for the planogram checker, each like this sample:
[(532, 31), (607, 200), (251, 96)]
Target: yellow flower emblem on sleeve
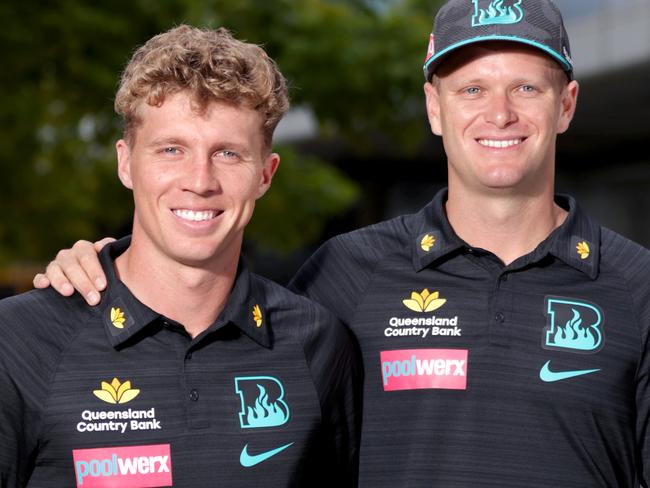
[(583, 249), (116, 392), (117, 318), (427, 242), (257, 315), (424, 301)]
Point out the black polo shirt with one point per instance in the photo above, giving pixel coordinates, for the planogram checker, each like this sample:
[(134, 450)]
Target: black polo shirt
[(534, 374), (118, 395)]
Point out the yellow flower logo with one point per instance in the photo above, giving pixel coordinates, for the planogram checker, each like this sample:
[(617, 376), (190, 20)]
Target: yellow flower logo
[(427, 242), (116, 392), (257, 315), (583, 249), (424, 302), (117, 318)]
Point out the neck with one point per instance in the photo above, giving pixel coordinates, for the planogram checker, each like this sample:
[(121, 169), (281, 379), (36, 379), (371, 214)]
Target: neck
[(193, 296), (507, 225)]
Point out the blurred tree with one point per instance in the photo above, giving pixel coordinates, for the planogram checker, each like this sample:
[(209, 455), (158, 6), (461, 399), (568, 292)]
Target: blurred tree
[(354, 63)]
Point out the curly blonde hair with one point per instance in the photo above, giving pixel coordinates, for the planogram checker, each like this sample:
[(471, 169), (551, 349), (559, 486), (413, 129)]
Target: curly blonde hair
[(211, 65)]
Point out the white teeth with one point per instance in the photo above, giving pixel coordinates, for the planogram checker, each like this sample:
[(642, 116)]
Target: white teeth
[(195, 216), (499, 144)]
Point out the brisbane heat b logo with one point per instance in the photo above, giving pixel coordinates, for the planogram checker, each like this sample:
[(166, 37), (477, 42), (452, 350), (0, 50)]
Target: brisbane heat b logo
[(573, 326), (262, 402)]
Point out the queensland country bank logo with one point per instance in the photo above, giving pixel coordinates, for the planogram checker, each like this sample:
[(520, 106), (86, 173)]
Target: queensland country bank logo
[(116, 391), (414, 369), (262, 402), (121, 420), (425, 323)]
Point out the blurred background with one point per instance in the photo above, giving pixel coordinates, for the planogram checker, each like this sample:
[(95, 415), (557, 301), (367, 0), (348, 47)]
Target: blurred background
[(355, 147)]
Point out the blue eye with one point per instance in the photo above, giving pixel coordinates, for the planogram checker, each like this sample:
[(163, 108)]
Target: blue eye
[(227, 155), (170, 150), (473, 90)]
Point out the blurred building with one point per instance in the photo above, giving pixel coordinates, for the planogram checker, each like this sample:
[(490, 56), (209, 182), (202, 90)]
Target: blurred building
[(603, 159)]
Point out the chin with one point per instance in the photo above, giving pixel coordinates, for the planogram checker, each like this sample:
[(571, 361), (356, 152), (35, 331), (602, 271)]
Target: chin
[(193, 253), (507, 177)]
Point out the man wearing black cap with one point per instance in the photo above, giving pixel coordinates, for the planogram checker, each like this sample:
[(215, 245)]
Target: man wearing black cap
[(503, 330)]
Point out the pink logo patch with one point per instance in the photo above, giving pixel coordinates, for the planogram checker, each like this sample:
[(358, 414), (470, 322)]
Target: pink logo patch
[(431, 49), (413, 369), (123, 467)]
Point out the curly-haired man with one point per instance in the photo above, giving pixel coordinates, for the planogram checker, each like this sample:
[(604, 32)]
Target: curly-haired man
[(193, 371)]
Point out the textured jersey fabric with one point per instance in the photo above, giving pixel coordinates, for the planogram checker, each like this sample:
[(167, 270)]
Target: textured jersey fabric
[(533, 374), (120, 394)]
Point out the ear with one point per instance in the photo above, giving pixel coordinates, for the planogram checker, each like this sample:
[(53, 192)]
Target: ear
[(124, 163), (269, 167), (568, 101), (433, 107)]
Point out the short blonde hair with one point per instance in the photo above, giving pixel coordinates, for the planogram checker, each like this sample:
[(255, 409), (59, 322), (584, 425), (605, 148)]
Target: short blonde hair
[(212, 65)]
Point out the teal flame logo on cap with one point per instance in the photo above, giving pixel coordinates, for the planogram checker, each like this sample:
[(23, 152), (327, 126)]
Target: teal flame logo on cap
[(497, 13)]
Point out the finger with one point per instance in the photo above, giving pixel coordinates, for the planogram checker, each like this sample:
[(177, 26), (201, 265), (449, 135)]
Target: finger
[(99, 245), (66, 273), (84, 254), (58, 280), (40, 281)]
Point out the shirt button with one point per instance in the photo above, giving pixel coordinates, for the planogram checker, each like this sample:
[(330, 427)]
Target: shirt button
[(504, 277), (194, 395), (499, 317), (188, 355)]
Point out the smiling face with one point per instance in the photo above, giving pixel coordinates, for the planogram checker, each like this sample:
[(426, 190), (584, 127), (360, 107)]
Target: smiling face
[(195, 178), (499, 108)]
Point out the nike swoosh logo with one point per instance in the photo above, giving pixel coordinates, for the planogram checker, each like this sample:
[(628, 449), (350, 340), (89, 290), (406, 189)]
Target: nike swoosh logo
[(247, 460), (545, 374)]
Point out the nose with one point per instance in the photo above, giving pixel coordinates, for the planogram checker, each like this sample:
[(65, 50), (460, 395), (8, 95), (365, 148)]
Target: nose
[(500, 111), (201, 176)]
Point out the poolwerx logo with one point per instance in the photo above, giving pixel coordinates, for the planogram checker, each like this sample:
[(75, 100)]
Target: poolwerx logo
[(413, 369), (126, 467), (423, 326)]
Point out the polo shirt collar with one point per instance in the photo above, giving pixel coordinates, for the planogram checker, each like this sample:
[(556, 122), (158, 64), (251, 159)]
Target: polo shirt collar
[(246, 308), (576, 242), (432, 237), (124, 315)]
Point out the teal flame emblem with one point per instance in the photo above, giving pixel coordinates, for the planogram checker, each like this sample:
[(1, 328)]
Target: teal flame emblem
[(258, 407), (573, 325), (497, 13)]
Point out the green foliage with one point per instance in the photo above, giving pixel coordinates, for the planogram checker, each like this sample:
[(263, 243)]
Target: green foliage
[(305, 193), (356, 64)]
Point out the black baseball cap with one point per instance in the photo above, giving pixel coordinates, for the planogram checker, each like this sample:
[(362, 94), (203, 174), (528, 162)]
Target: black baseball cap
[(537, 23)]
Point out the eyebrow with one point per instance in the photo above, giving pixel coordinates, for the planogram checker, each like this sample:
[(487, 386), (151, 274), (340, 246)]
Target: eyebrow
[(167, 141)]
